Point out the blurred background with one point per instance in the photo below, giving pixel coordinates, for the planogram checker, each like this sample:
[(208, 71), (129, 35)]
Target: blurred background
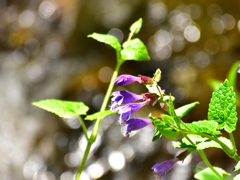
[(45, 53)]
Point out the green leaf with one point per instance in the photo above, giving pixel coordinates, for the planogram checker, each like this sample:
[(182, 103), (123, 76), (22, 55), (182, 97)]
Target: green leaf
[(107, 39), (214, 83), (136, 26), (207, 174), (134, 49), (172, 111), (222, 108), (157, 75), (99, 114), (237, 177), (200, 142), (64, 109), (204, 126), (213, 144), (157, 135), (232, 75), (154, 89), (168, 119), (164, 129), (237, 167), (182, 111)]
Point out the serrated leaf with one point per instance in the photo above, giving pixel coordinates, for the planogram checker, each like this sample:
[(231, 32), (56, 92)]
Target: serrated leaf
[(213, 144), (237, 167), (134, 49), (184, 142), (64, 109), (163, 128), (182, 111), (136, 26), (200, 142), (157, 75), (222, 108), (204, 126), (99, 114), (207, 174), (107, 39)]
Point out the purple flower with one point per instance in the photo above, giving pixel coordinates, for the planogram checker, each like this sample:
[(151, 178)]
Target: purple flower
[(162, 168), (136, 124), (125, 111), (128, 79), (238, 71), (122, 97)]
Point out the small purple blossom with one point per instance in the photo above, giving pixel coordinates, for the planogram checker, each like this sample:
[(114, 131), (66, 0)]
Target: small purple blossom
[(162, 168), (136, 124), (123, 97), (125, 111), (128, 79), (238, 71)]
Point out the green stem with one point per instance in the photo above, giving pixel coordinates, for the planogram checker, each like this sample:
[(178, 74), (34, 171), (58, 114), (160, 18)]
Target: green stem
[(205, 159), (83, 127), (233, 142), (81, 167), (97, 124), (105, 102)]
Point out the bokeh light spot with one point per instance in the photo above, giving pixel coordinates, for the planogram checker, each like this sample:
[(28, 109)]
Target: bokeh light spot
[(95, 170), (192, 33), (46, 9), (116, 160)]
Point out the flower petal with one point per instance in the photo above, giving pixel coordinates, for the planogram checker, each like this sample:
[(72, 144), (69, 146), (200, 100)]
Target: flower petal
[(161, 168), (136, 124), (126, 79), (125, 111)]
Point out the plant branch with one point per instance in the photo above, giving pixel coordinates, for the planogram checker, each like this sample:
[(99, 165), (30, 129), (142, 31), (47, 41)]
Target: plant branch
[(97, 124), (83, 127)]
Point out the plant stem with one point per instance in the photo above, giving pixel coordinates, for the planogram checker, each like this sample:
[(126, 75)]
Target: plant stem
[(105, 102), (81, 167), (233, 142), (205, 159), (203, 156), (83, 127), (97, 124)]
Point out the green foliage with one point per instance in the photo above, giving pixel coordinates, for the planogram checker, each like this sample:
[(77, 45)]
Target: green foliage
[(134, 49), (99, 114), (182, 111), (237, 177), (168, 120), (136, 26), (107, 39), (161, 128), (214, 83), (232, 75), (204, 126), (64, 109), (207, 174), (157, 76), (200, 142), (172, 112), (237, 167), (222, 108)]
